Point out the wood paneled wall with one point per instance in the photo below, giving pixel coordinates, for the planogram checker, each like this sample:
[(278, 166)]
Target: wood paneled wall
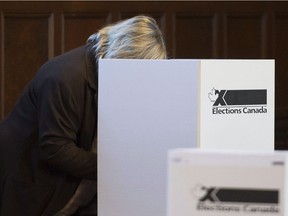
[(33, 32)]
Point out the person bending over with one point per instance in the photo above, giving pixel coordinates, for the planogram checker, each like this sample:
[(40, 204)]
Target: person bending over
[(48, 142)]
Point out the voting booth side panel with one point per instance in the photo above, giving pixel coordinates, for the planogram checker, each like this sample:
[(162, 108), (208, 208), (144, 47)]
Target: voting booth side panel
[(237, 104)]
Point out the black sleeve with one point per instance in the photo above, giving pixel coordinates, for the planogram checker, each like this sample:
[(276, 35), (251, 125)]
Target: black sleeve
[(60, 109)]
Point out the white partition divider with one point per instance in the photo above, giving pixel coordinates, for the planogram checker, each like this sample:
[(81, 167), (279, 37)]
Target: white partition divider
[(146, 107), (237, 104), (216, 183)]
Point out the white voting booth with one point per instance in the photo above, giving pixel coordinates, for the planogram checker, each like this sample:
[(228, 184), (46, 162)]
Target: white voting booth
[(148, 107), (217, 183)]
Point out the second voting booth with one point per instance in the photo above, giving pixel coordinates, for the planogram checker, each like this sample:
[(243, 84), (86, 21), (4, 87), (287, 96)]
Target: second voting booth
[(148, 107), (217, 183)]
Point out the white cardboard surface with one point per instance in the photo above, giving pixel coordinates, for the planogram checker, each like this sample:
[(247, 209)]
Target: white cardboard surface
[(242, 129), (193, 172), (145, 108)]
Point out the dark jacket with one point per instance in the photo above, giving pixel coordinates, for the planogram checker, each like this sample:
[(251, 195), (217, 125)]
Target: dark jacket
[(45, 140)]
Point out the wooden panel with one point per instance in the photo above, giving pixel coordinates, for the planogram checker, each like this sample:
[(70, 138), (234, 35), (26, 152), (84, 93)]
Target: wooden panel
[(1, 69), (244, 36), (32, 32), (281, 54), (194, 36), (26, 42), (281, 134), (78, 27)]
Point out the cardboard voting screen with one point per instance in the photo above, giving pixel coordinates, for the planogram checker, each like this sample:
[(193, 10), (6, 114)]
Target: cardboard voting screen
[(236, 104), (145, 108), (217, 183)]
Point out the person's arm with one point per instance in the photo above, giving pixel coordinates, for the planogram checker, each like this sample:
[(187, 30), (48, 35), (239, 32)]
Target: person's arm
[(59, 112), (84, 194)]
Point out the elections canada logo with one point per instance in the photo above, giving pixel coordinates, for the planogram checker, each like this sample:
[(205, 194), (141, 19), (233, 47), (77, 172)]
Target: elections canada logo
[(247, 200), (248, 101)]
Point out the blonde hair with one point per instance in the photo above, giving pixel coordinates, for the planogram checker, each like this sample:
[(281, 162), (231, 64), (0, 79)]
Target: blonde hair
[(135, 38)]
